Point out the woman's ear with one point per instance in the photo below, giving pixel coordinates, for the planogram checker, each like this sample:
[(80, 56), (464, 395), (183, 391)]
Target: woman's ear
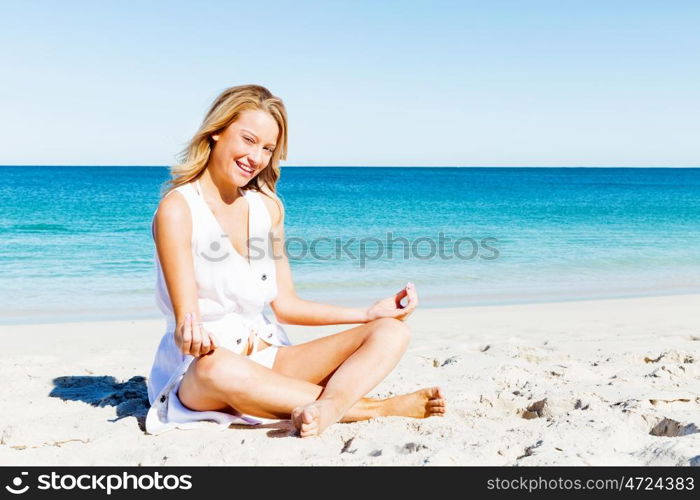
[(215, 137)]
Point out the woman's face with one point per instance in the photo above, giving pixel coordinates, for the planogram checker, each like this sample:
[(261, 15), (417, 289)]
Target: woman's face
[(245, 147)]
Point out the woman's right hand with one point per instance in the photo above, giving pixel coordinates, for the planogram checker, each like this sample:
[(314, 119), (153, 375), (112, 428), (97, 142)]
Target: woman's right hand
[(193, 339), (391, 307)]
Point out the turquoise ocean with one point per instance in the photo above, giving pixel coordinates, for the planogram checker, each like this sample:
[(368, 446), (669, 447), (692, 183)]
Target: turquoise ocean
[(76, 241)]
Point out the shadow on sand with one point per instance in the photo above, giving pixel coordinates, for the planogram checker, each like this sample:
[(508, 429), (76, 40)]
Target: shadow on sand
[(130, 398)]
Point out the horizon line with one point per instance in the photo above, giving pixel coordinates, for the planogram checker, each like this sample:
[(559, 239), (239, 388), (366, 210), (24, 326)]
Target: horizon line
[(380, 166)]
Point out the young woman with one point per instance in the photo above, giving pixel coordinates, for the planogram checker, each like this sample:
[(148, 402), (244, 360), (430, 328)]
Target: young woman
[(221, 359)]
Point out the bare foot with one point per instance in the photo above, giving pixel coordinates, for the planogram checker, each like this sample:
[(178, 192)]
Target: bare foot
[(312, 419), (420, 404)]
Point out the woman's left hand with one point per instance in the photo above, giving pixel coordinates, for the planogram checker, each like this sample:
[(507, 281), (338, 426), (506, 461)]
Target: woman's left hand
[(391, 306)]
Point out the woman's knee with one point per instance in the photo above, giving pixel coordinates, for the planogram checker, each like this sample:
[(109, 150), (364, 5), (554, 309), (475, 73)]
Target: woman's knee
[(222, 370), (393, 327)]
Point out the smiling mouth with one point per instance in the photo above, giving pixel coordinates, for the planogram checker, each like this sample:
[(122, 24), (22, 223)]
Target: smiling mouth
[(246, 170)]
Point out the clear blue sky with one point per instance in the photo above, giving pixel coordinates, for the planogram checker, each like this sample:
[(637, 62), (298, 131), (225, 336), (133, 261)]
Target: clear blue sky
[(597, 83)]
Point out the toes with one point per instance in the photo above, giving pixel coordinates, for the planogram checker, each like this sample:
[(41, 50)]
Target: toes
[(308, 430), (313, 418), (305, 419), (296, 417), (310, 415), (308, 421), (435, 393), (436, 407), (308, 426)]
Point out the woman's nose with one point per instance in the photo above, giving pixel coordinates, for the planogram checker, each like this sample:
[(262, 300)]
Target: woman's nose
[(255, 157)]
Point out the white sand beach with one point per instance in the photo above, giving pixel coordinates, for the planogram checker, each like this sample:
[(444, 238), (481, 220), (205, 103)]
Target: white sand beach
[(601, 382)]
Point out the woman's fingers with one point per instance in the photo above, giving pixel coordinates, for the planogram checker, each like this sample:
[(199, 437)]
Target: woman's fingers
[(410, 292), (205, 346), (187, 334), (391, 307), (197, 341), (214, 341), (209, 341), (412, 302), (399, 296), (196, 338), (412, 296)]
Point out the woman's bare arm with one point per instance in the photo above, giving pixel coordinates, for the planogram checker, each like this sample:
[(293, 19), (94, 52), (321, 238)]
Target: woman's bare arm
[(287, 306), (173, 240)]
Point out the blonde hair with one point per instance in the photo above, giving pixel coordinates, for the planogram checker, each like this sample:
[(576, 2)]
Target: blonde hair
[(225, 110)]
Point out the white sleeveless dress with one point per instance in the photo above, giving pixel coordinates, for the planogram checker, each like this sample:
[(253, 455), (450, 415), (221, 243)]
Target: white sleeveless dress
[(232, 293)]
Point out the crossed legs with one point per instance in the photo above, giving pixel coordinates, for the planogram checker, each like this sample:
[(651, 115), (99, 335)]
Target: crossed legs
[(315, 383)]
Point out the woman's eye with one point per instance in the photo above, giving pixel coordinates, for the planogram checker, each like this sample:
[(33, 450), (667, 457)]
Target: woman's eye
[(270, 150), (248, 139)]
